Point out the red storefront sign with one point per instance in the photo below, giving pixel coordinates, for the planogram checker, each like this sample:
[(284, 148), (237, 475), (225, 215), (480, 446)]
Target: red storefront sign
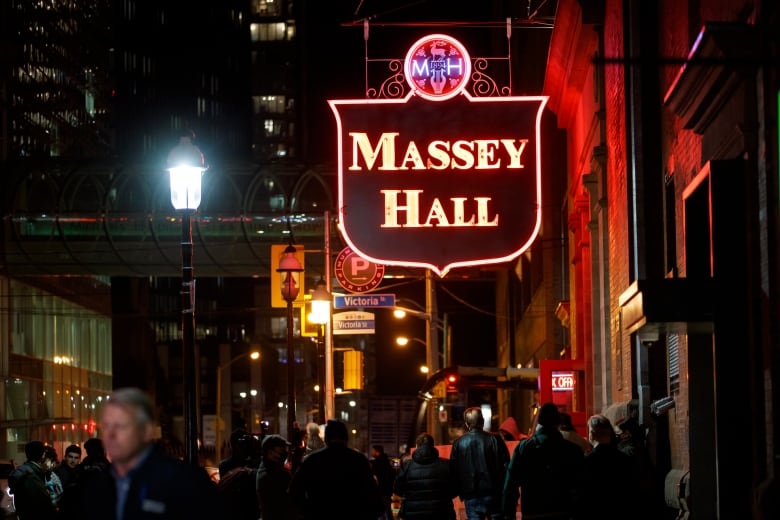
[(439, 179)]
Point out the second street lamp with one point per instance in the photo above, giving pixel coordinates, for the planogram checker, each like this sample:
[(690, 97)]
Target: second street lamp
[(186, 165), (290, 270), (321, 302)]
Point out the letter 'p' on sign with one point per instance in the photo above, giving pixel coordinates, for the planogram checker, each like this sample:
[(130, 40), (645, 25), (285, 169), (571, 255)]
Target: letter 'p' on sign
[(355, 273)]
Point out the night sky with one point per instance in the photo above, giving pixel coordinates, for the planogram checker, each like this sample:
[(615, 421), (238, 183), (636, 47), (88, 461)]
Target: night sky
[(470, 308)]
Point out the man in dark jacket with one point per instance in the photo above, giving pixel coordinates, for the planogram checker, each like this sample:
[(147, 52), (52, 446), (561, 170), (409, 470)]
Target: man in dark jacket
[(273, 479), (425, 484), (548, 470), (479, 460), (336, 481), (143, 482), (384, 473), (28, 485)]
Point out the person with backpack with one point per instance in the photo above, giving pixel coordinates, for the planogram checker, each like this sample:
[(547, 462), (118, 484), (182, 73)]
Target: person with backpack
[(548, 471), (28, 485)]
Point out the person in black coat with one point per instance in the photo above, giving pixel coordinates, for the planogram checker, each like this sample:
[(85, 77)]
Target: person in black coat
[(548, 470), (609, 476), (479, 461), (143, 482), (425, 484), (336, 481)]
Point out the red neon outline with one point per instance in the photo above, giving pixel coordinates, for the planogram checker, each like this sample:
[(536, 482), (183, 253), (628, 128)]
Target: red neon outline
[(445, 269), (464, 78)]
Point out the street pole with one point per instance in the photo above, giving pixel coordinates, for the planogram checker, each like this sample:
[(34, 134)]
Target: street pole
[(186, 165), (290, 372), (190, 374), (321, 375), (218, 421), (432, 341), (330, 390), (290, 271)]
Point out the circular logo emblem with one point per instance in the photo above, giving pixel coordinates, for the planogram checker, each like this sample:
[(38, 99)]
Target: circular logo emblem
[(437, 67), (356, 274)]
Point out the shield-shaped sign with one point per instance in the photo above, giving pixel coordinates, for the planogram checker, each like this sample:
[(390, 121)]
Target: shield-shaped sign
[(440, 182)]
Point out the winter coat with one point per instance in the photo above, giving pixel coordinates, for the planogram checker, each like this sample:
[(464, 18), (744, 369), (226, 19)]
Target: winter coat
[(271, 485), (161, 487), (548, 469), (479, 460), (336, 480), (31, 496), (383, 470), (426, 486), (608, 479)]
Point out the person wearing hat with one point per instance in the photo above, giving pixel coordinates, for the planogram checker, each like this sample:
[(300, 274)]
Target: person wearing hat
[(548, 470), (336, 481), (273, 479)]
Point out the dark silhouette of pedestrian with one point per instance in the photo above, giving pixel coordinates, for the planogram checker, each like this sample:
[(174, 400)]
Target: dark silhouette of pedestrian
[(94, 465), (545, 472), (28, 485), (336, 481), (425, 484), (273, 479), (67, 469), (241, 447), (608, 476), (384, 473), (479, 462), (314, 441), (572, 435)]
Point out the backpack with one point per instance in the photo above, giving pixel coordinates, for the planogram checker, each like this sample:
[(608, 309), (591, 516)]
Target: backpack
[(238, 494)]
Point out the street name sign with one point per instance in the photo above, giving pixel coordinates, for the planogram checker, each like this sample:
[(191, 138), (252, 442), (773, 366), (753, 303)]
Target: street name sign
[(353, 322), (347, 301)]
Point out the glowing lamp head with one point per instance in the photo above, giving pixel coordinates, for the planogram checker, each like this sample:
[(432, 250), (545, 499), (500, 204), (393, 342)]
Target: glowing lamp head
[(186, 165), (290, 270), (320, 303)]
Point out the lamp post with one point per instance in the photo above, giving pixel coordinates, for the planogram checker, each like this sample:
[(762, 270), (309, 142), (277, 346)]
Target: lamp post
[(290, 270), (186, 165), (403, 341), (254, 355), (321, 302)]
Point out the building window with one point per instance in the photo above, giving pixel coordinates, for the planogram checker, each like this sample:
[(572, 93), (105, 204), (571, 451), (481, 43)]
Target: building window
[(267, 32), (267, 7), (269, 104)]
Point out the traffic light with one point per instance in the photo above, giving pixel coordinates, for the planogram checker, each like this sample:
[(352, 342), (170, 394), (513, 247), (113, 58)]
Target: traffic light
[(451, 382)]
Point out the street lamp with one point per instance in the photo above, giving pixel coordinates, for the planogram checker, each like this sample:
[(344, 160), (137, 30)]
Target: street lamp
[(290, 270), (186, 166), (254, 355), (321, 302), (433, 322)]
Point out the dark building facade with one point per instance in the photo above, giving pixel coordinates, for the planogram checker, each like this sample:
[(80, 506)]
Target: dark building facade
[(670, 114)]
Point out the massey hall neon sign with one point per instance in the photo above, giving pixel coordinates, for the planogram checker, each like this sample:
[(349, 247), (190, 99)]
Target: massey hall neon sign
[(439, 179)]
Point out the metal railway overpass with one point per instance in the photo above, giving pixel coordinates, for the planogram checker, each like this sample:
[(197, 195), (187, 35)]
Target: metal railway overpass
[(106, 218)]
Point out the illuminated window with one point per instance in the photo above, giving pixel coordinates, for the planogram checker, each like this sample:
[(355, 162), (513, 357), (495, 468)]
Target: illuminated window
[(269, 104), (266, 7), (278, 31)]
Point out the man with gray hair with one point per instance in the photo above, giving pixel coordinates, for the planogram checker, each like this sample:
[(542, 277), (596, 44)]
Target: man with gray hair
[(143, 481), (478, 463)]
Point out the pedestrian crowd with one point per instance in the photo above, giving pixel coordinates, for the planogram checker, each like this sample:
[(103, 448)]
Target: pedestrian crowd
[(553, 474)]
